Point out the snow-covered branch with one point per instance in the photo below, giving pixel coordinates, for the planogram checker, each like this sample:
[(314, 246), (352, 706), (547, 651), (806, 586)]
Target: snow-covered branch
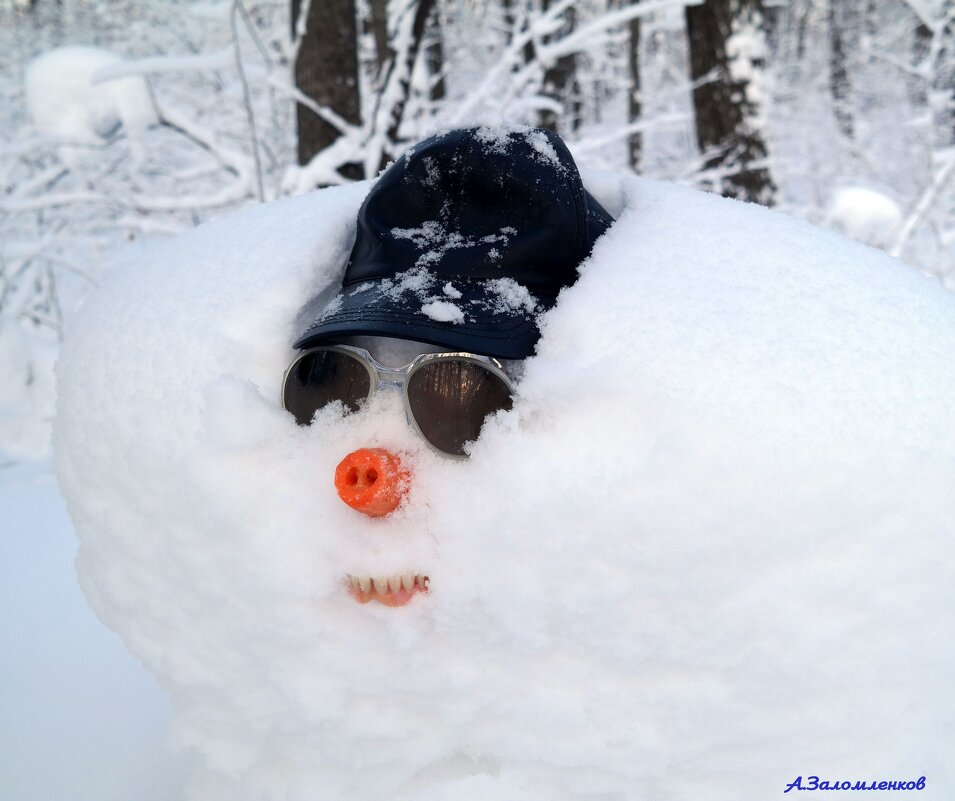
[(583, 36), (157, 65), (513, 55), (246, 99), (923, 205)]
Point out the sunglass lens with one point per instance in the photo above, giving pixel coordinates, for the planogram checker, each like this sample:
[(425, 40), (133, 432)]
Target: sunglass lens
[(450, 400), (322, 377)]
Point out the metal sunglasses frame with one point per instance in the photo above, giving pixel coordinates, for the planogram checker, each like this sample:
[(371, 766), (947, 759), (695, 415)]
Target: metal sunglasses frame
[(397, 377)]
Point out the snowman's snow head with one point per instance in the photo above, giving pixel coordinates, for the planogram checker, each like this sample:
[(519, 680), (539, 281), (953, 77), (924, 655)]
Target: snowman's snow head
[(708, 549), (460, 245)]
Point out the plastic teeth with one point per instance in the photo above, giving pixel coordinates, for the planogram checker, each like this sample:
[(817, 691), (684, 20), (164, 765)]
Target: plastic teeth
[(383, 585)]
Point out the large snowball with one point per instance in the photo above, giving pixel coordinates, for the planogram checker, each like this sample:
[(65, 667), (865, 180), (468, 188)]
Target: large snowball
[(711, 549)]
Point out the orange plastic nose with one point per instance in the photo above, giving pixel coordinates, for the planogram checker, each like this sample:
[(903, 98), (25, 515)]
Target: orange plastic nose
[(372, 481)]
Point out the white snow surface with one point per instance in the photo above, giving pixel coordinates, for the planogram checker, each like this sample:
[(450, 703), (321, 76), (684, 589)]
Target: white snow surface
[(710, 549), (81, 720), (65, 98)]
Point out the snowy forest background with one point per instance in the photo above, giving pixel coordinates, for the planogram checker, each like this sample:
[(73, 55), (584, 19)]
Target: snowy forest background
[(841, 112)]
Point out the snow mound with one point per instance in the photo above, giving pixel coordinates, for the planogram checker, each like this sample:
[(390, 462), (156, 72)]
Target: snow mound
[(865, 215), (65, 99), (710, 549)]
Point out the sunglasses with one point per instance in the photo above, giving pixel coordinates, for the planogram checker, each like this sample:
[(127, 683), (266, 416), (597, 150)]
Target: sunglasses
[(447, 396)]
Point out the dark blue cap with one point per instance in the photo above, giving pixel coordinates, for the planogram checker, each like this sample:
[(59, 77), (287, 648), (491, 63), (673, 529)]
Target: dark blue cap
[(464, 241)]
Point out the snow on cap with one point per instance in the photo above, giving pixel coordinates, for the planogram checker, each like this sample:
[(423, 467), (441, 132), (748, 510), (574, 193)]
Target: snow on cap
[(464, 241)]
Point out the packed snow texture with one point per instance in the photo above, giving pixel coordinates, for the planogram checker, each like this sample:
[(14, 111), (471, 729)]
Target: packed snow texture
[(67, 99), (710, 549)]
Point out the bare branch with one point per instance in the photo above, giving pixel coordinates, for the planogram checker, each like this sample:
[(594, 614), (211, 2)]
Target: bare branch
[(924, 204), (294, 93), (230, 160), (247, 101)]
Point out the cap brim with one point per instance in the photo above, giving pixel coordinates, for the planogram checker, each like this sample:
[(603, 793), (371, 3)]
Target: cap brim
[(474, 316)]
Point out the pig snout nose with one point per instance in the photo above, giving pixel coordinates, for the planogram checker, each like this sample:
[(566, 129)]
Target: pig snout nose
[(371, 481)]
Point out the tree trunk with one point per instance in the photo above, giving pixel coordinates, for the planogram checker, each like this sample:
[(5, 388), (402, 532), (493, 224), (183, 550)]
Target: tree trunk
[(801, 12), (379, 30), (402, 65), (434, 56), (918, 88), (933, 87), (560, 81), (635, 140), (839, 86), (326, 70), (514, 27), (727, 48), (943, 83)]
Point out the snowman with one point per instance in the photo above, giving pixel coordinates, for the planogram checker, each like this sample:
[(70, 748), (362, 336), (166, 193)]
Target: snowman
[(546, 492), (460, 246)]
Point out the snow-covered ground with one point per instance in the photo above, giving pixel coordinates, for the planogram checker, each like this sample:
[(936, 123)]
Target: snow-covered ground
[(81, 720)]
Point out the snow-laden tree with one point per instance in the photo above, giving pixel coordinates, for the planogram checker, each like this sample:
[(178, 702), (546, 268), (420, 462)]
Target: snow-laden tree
[(326, 73), (840, 21), (727, 63)]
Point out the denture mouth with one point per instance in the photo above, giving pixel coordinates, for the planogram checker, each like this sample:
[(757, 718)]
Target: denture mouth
[(396, 590)]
